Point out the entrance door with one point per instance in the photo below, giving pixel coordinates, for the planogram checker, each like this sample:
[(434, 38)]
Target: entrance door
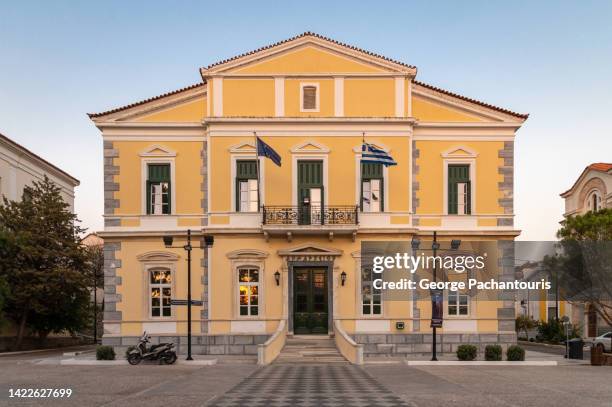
[(310, 301), (310, 192)]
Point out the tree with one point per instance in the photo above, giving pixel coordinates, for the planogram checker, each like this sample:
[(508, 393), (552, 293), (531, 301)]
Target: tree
[(584, 269), (524, 323), (95, 269), (46, 266)]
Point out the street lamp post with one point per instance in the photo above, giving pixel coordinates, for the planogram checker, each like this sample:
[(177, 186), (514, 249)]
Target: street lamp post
[(434, 246), (188, 247)]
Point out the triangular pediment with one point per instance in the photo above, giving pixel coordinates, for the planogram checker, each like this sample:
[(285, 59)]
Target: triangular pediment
[(157, 150), (308, 53), (310, 249), (459, 151), (243, 148), (310, 147)]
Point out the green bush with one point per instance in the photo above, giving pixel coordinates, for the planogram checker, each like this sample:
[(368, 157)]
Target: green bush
[(515, 353), (105, 353), (466, 352), (493, 352), (551, 331)]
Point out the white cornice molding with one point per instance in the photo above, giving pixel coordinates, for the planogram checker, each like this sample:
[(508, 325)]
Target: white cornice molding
[(157, 150), (247, 254), (463, 152), (243, 148)]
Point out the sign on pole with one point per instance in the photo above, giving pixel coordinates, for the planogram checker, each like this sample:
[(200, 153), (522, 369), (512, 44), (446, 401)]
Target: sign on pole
[(437, 308)]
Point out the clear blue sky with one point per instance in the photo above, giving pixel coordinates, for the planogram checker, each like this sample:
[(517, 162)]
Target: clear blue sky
[(62, 59)]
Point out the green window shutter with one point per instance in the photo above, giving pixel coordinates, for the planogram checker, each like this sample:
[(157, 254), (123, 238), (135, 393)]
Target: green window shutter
[(457, 174), (159, 172), (246, 169), (468, 198), (371, 170)]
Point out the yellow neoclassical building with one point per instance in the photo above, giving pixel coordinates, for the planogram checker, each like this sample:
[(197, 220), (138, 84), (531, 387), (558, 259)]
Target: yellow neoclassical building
[(286, 253)]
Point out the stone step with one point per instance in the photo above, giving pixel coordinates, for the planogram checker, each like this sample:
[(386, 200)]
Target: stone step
[(310, 349)]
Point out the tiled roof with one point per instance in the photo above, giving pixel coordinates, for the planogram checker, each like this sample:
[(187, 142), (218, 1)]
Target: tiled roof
[(142, 102), (601, 167), (37, 157), (467, 99), (310, 34)]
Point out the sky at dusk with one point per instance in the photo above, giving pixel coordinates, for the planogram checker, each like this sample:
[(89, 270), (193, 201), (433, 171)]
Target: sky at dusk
[(60, 60)]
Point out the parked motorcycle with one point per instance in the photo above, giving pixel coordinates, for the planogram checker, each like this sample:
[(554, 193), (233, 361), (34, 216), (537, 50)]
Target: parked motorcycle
[(163, 352)]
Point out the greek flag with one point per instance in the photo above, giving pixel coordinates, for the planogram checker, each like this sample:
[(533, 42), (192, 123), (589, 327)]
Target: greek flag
[(371, 154), (266, 151)]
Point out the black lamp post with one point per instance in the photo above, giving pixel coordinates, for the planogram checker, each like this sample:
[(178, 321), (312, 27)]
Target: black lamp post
[(208, 241), (435, 246)]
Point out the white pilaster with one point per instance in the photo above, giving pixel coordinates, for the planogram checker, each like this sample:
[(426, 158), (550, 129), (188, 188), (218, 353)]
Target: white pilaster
[(339, 97), (218, 97), (400, 84), (279, 96)]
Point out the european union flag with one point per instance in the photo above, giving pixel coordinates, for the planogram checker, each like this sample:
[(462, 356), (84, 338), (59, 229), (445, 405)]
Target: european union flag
[(266, 151)]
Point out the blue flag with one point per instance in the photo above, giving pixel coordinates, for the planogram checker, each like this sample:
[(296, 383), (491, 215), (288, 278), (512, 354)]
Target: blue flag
[(266, 151), (371, 154)]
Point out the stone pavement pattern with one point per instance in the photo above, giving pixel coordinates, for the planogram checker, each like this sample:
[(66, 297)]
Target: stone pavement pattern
[(309, 385)]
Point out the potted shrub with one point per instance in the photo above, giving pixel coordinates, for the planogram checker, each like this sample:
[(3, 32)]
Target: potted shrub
[(493, 352), (105, 353), (515, 353), (467, 352)]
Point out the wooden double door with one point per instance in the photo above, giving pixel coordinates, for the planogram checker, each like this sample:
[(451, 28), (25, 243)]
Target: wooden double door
[(310, 301)]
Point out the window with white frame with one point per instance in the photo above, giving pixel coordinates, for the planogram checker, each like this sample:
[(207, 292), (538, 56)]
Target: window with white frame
[(372, 185), (458, 303), (309, 97), (158, 189), (160, 292), (371, 298), (247, 195), (248, 283), (594, 201)]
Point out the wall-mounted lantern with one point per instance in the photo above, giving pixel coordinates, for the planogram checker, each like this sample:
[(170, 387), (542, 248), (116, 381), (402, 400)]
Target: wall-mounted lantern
[(343, 278), (277, 278)]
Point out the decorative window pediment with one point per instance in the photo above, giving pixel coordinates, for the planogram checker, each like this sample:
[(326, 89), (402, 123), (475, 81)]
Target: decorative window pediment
[(247, 254), (157, 150), (310, 249), (243, 148), (310, 147), (157, 256), (459, 151)]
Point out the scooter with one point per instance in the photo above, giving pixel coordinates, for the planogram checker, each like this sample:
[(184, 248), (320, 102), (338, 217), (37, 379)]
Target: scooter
[(163, 352)]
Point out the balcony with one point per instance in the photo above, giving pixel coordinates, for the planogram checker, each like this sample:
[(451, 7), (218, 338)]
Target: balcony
[(329, 220)]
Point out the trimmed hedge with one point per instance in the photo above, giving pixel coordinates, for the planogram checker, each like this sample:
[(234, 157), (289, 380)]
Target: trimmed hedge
[(467, 352), (515, 353), (493, 352), (104, 352)]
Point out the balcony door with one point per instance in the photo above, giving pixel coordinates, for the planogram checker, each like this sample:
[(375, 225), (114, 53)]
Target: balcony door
[(310, 308), (310, 192)]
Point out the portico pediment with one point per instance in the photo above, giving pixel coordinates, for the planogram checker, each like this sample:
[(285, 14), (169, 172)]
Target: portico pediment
[(310, 252)]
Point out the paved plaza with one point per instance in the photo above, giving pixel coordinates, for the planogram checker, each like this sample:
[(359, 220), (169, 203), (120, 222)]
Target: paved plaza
[(236, 384)]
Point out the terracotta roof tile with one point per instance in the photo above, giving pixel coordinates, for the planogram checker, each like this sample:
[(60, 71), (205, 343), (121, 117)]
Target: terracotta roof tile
[(142, 102), (467, 99), (310, 34)]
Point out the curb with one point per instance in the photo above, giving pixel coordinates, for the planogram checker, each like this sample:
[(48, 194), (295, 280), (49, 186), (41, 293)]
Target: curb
[(480, 363), (123, 362), (34, 351)]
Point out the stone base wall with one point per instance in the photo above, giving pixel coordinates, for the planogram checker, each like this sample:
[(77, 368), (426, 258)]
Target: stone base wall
[(200, 344), (406, 344)]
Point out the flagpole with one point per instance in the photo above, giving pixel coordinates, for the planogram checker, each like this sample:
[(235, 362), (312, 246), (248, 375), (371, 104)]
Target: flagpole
[(257, 164)]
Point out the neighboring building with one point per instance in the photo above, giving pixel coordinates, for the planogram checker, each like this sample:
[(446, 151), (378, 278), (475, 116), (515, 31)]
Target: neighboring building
[(186, 160), (20, 167), (592, 191)]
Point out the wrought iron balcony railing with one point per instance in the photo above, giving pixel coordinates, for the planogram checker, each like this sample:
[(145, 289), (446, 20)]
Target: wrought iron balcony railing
[(310, 215)]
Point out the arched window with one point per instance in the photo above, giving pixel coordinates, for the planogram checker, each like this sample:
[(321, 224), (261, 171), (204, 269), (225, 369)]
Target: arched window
[(248, 290), (160, 292), (594, 201)]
